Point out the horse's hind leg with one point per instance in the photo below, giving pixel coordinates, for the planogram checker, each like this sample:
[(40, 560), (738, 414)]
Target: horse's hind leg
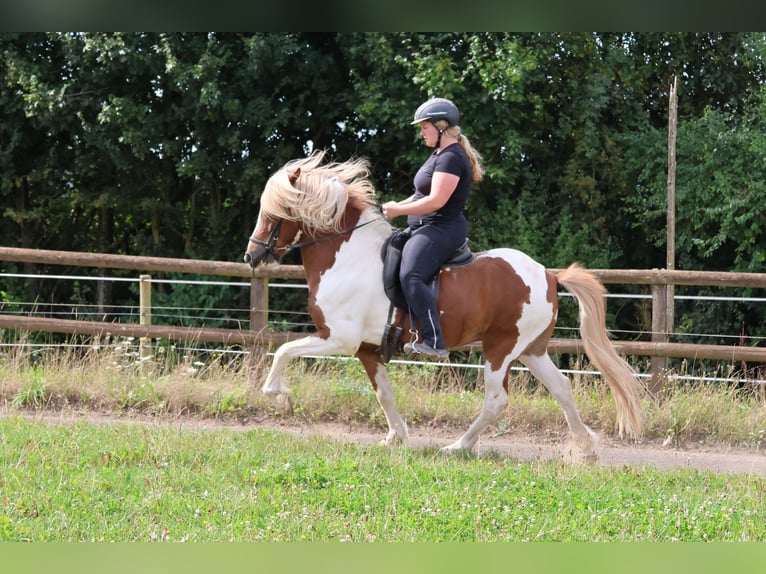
[(542, 367), (376, 371), (495, 400)]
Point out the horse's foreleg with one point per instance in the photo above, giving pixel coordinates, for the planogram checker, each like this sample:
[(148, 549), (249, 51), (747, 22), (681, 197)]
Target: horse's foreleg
[(558, 384), (376, 371), (310, 345), (495, 400)]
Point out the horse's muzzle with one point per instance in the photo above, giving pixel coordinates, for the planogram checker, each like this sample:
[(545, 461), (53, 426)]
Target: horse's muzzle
[(252, 259), (259, 255)]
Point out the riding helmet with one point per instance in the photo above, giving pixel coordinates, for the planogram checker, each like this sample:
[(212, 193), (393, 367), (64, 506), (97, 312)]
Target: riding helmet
[(437, 109)]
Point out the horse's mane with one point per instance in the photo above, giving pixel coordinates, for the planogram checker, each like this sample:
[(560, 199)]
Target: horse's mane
[(318, 193)]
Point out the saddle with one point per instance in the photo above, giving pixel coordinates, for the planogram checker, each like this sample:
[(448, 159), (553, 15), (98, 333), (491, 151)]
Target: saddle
[(391, 254)]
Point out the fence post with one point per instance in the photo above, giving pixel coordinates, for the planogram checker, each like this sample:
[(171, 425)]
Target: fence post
[(259, 303), (259, 319), (659, 365), (145, 314), (663, 296)]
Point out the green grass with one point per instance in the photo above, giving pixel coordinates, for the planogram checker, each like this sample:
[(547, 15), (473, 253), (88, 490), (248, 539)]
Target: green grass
[(110, 377), (131, 482)]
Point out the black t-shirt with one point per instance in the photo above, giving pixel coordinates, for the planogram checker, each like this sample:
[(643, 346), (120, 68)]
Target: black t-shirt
[(451, 159)]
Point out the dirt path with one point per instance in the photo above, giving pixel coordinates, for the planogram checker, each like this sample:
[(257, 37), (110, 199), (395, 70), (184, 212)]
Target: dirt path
[(519, 447), (530, 448)]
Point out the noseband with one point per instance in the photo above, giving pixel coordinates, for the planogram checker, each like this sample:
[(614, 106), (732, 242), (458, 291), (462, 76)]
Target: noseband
[(270, 245)]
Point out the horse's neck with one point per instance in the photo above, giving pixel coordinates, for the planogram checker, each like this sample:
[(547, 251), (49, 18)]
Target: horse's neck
[(368, 231)]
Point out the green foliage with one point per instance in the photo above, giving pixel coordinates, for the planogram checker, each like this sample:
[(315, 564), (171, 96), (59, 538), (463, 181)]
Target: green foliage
[(7, 303), (159, 143), (212, 305), (720, 178), (32, 394)]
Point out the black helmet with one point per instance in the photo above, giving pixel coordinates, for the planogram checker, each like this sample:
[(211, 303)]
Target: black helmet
[(437, 109)]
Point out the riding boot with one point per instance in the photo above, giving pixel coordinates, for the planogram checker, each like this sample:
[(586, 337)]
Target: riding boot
[(431, 343), (431, 332)]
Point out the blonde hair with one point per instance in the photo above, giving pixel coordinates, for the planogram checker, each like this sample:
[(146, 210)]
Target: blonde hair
[(477, 169)]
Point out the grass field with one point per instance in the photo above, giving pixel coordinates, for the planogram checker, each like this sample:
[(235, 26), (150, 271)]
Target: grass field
[(132, 482), (110, 376)]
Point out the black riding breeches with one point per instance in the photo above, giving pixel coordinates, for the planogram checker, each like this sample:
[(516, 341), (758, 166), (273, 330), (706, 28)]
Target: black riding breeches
[(427, 249)]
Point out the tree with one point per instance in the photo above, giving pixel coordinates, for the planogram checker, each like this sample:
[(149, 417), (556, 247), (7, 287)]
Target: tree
[(159, 144)]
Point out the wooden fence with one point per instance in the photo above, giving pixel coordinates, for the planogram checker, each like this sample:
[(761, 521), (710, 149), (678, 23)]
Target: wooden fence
[(259, 334)]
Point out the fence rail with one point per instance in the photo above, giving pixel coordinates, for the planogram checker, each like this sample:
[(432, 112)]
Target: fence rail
[(259, 334)]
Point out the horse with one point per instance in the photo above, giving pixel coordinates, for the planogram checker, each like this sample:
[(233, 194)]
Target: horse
[(504, 299)]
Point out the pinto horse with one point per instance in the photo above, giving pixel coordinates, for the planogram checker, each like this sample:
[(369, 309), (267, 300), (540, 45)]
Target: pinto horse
[(504, 299)]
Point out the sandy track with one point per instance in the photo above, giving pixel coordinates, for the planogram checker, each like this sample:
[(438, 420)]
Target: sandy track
[(514, 446)]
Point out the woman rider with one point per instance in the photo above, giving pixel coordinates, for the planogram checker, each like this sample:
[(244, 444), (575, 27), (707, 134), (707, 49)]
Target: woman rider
[(435, 216)]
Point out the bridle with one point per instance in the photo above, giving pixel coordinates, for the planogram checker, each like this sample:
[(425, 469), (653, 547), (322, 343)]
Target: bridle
[(271, 244), (272, 249)]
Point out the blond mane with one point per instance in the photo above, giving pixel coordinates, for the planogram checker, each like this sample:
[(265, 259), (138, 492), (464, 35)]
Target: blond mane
[(318, 193)]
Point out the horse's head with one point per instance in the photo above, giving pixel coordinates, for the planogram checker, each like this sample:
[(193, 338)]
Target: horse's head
[(308, 198), (272, 236), (263, 249)]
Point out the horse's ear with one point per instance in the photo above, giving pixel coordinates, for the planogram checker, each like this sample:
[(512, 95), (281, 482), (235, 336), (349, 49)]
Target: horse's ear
[(293, 177)]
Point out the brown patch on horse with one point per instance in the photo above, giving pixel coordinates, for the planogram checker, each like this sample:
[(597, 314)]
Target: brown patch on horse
[(369, 356), (288, 232), (467, 300), (539, 346), (293, 176)]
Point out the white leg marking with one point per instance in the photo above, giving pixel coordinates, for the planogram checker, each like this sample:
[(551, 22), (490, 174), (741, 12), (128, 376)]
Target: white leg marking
[(495, 400), (397, 428), (558, 384), (310, 345)]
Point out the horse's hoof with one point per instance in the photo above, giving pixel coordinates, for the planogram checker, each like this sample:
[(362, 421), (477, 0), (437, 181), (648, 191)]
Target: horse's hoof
[(454, 449), (280, 390), (284, 404), (576, 455), (394, 440), (591, 458)]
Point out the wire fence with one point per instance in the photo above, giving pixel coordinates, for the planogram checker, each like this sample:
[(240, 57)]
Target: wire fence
[(240, 316), (298, 320)]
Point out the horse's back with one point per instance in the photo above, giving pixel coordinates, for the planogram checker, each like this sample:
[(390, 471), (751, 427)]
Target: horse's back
[(503, 291), (522, 263), (509, 266)]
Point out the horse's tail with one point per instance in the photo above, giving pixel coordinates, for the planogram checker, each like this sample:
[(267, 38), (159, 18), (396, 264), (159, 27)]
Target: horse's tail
[(621, 378)]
